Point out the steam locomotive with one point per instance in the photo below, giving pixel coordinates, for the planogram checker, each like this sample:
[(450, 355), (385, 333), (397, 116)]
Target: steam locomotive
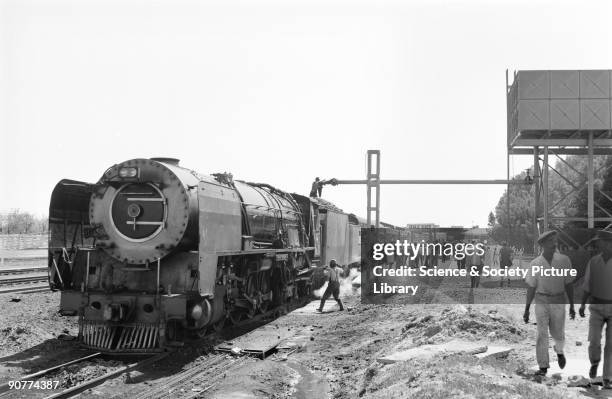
[(153, 250)]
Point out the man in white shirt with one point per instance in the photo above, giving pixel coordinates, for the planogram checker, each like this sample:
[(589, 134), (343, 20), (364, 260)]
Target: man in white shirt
[(598, 291), (549, 293)]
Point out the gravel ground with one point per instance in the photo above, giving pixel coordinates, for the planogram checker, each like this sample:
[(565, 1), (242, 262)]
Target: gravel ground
[(339, 360), (30, 322), (29, 330)]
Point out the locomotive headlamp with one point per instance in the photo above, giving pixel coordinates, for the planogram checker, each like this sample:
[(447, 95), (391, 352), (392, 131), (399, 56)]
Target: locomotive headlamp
[(196, 312), (128, 172)]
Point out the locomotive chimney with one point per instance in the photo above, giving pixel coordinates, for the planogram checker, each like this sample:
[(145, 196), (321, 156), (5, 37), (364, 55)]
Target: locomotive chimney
[(171, 161)]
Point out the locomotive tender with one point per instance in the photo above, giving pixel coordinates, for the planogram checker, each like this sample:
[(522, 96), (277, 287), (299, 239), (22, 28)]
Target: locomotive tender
[(153, 250)]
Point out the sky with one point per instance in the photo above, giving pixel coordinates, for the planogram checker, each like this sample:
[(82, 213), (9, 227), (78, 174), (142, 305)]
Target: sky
[(281, 91)]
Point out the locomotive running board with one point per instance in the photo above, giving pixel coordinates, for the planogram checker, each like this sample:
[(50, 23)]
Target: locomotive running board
[(139, 337)]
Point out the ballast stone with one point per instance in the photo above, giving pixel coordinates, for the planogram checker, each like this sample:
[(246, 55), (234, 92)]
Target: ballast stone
[(495, 352), (426, 352)]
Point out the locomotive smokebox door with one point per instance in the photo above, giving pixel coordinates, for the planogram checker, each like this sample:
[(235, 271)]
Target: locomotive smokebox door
[(220, 226)]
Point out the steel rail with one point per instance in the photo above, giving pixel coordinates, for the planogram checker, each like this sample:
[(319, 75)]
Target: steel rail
[(216, 377), (177, 381), (75, 390), (25, 289), (22, 280), (5, 386), (21, 270)]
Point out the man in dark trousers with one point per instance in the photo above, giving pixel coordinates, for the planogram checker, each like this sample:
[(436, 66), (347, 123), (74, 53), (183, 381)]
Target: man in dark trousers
[(505, 261), (598, 288), (317, 188), (333, 285), (475, 265)]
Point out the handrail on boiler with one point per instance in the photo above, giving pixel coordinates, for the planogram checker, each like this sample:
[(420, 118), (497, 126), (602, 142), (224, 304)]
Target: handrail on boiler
[(158, 267), (86, 274)]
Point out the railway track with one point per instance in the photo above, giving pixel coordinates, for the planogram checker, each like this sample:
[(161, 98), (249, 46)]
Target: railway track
[(191, 383), (19, 279), (77, 389), (5, 388), (25, 289), (23, 279), (7, 271), (186, 384), (209, 379), (196, 380)]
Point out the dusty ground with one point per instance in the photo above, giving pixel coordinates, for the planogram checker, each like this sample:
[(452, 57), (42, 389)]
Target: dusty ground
[(30, 323), (339, 358)]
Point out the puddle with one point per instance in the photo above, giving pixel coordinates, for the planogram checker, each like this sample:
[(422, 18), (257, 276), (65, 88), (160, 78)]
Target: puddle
[(310, 385)]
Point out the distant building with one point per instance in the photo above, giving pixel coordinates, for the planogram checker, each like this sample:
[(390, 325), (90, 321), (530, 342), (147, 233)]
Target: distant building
[(432, 232), (422, 226), (477, 233)]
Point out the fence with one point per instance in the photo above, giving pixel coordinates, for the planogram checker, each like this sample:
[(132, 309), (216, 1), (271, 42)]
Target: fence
[(23, 241)]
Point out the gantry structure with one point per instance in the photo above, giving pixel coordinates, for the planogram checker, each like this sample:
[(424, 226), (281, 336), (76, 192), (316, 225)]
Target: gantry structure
[(373, 182)]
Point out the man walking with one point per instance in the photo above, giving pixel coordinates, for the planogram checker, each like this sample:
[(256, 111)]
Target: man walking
[(549, 293), (333, 285), (495, 261), (475, 266), (505, 261), (460, 257), (598, 287)]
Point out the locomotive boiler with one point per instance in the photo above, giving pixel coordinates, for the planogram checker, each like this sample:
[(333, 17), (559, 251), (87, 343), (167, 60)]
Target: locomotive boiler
[(153, 250)]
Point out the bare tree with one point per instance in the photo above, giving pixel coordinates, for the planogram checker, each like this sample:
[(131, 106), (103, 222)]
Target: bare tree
[(18, 222)]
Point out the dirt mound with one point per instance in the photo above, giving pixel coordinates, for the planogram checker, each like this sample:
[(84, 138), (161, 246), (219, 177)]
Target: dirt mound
[(460, 321), (457, 376)]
